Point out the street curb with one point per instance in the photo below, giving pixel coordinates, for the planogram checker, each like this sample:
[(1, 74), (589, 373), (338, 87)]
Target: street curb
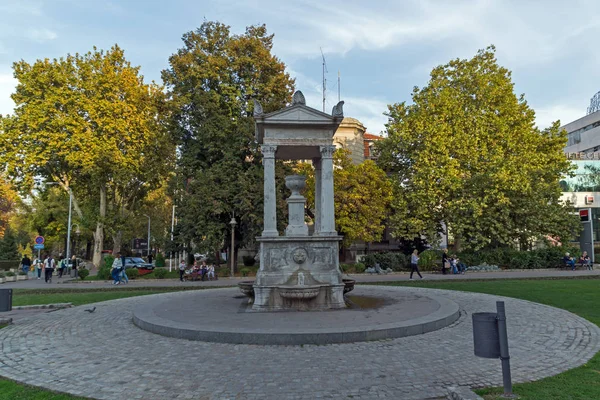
[(462, 393), (43, 306)]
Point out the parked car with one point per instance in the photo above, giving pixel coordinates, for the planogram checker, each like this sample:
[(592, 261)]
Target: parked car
[(137, 262)]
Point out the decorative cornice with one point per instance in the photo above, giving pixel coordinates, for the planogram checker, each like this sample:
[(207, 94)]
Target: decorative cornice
[(268, 150), (327, 151)]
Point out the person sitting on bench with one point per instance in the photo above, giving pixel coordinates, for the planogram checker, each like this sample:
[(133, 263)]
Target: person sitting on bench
[(585, 260), (569, 261)]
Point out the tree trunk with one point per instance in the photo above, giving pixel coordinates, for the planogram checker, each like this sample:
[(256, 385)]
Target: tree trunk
[(457, 244), (99, 234), (117, 240)]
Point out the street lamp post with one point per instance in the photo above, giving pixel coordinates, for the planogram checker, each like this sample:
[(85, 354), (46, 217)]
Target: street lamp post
[(148, 234), (233, 223), (172, 228)]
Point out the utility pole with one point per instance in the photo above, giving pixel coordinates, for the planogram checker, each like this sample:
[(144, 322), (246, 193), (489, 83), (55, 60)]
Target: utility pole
[(172, 228), (147, 216), (324, 80)]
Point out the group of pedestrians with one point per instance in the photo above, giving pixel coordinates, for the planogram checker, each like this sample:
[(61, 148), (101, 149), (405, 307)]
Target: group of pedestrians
[(449, 263), (48, 264)]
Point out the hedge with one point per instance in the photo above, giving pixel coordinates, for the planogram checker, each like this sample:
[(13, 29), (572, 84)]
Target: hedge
[(506, 258)]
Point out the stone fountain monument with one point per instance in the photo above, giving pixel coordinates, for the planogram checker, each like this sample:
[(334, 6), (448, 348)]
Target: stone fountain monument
[(299, 271)]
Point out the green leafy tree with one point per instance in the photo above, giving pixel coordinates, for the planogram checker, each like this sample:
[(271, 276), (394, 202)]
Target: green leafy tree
[(8, 246), (362, 195), (90, 123), (212, 81), (467, 153)]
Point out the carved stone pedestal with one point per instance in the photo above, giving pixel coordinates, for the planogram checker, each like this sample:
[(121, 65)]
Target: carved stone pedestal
[(299, 273)]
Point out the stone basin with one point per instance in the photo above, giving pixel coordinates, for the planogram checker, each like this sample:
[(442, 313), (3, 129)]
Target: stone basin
[(348, 285), (247, 287), (299, 292)]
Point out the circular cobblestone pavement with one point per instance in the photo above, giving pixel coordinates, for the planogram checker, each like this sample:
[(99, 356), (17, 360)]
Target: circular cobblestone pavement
[(103, 355)]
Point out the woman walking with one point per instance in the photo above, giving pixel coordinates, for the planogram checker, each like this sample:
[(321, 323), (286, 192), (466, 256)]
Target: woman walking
[(414, 267)]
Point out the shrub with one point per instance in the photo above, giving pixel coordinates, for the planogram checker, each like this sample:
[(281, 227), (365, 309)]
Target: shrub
[(160, 273), (22, 273), (222, 271), (248, 261), (106, 268), (160, 261), (395, 261), (245, 271), (360, 268), (6, 265), (83, 273), (2, 275), (429, 259), (132, 273), (10, 273)]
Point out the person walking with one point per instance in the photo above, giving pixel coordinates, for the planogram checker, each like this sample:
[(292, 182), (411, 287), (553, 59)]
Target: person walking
[(26, 264), (37, 263), (414, 264), (49, 265), (61, 267), (117, 266), (73, 266), (182, 267)]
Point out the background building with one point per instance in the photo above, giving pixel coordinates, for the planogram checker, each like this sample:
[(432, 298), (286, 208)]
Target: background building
[(583, 148)]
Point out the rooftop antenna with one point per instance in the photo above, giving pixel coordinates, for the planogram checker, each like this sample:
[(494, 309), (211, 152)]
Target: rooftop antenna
[(324, 80)]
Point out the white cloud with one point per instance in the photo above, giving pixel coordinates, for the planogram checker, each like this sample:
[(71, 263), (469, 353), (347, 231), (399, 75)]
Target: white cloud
[(7, 87), (545, 116), (40, 35)]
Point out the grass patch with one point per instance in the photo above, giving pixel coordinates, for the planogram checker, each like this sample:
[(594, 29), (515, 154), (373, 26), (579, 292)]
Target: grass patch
[(580, 296), (26, 297), (10, 390)]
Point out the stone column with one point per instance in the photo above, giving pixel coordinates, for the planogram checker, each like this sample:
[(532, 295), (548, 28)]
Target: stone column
[(317, 165), (270, 205), (327, 214)]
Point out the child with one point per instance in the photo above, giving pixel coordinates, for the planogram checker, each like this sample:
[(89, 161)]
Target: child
[(453, 261)]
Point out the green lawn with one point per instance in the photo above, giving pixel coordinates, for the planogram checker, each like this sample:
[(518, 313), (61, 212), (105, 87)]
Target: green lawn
[(580, 296), (10, 390), (23, 297)]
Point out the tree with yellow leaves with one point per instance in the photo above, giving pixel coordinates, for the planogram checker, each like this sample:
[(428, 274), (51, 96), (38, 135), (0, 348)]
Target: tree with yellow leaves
[(467, 154), (90, 123), (362, 195)]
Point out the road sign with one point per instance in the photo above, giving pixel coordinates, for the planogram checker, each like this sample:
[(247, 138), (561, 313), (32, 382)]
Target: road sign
[(40, 240), (38, 246)]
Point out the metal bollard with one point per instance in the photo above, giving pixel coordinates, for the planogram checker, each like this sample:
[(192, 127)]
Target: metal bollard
[(490, 340), (5, 300)]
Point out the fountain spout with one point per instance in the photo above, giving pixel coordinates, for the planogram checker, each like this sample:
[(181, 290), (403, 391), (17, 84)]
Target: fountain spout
[(300, 279)]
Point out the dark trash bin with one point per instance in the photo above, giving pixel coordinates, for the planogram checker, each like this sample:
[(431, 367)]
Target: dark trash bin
[(5, 300), (485, 335)]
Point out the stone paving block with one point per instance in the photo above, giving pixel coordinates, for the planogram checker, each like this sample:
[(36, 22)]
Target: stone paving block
[(58, 343)]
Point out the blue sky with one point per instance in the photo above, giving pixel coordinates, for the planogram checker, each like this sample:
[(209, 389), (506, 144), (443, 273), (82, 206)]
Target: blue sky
[(381, 48)]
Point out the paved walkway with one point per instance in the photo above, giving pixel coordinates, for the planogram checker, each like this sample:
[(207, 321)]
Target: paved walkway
[(363, 278), (103, 355)]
